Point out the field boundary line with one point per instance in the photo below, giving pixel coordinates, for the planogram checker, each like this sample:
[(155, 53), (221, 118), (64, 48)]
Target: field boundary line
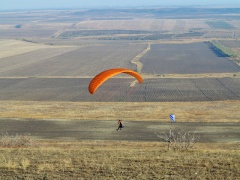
[(227, 87), (201, 90)]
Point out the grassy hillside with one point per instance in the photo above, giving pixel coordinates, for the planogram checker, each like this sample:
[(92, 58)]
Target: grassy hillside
[(119, 160)]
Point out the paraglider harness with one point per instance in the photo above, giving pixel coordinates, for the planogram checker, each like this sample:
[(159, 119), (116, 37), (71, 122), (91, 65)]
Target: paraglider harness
[(120, 124)]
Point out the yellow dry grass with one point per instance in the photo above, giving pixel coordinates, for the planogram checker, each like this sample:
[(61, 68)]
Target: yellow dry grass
[(15, 47), (119, 160), (217, 111)]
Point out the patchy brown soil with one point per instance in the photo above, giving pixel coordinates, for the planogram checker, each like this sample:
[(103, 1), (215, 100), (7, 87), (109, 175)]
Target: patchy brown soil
[(106, 130)]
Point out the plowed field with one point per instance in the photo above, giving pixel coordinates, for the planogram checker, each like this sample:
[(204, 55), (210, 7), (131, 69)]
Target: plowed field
[(192, 58), (120, 89), (69, 61)]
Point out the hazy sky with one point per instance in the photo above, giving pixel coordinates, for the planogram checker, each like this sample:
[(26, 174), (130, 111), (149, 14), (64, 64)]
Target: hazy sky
[(41, 4)]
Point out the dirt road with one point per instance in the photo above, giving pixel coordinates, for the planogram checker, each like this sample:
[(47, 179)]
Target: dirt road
[(106, 130)]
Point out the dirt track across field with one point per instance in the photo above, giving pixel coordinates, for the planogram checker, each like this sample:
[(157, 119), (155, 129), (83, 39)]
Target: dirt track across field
[(106, 130)]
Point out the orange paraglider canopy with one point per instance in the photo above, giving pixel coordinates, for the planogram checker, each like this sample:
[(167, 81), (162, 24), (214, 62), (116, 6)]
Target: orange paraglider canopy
[(105, 75)]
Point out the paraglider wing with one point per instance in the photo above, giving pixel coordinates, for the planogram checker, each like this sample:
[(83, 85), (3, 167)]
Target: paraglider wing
[(105, 75)]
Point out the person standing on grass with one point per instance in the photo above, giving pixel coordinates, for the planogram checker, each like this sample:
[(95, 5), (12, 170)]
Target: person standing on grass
[(120, 125)]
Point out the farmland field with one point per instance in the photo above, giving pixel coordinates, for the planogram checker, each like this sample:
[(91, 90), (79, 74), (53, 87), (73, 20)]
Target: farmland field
[(192, 58), (219, 25), (234, 45), (231, 43), (120, 89), (70, 61), (66, 24), (144, 24)]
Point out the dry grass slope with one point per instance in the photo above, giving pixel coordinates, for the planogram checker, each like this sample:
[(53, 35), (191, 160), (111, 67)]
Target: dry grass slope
[(218, 111), (119, 160)]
